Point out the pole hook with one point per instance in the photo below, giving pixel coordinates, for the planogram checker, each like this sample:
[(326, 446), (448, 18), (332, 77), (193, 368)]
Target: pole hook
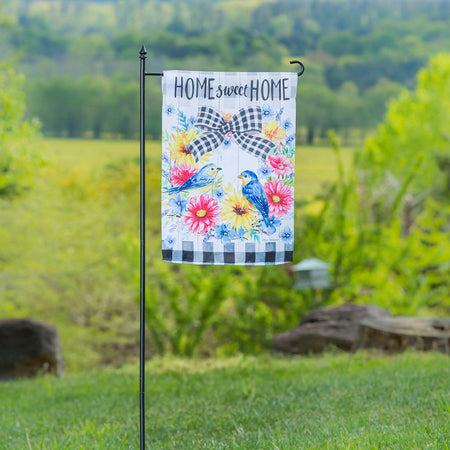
[(302, 67)]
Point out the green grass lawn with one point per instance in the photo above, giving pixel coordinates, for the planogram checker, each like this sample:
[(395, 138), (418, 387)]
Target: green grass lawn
[(332, 401), (314, 165)]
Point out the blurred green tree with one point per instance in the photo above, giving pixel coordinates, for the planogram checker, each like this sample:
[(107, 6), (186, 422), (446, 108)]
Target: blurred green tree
[(317, 110), (60, 102), (415, 132), (385, 226), (18, 137), (374, 101)]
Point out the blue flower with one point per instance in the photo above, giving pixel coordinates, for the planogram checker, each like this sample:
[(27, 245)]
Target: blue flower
[(267, 112), (264, 171), (219, 194), (169, 110), (287, 124), (286, 234), (239, 233), (207, 237), (178, 205), (271, 226), (191, 121), (169, 242), (227, 141), (224, 233), (290, 139)]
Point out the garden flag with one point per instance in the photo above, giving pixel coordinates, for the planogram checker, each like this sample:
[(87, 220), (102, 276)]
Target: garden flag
[(228, 147)]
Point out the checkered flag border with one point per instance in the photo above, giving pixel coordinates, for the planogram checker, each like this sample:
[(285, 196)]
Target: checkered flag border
[(249, 256)]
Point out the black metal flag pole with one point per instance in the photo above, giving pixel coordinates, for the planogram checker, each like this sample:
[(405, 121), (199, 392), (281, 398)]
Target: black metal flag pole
[(143, 74), (143, 56)]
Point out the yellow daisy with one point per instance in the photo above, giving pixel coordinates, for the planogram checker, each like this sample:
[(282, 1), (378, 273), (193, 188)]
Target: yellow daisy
[(273, 131), (237, 212), (178, 147)]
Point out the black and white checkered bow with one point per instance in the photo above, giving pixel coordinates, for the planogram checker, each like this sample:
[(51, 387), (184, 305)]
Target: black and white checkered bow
[(241, 126)]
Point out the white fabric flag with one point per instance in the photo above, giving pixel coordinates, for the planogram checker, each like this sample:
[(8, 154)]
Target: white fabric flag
[(228, 147)]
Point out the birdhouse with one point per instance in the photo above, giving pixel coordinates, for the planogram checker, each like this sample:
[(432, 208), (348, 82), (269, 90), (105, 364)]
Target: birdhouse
[(311, 273)]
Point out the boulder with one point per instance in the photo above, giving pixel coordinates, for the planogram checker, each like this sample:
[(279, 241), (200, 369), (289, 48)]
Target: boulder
[(327, 327), (395, 334), (29, 348)]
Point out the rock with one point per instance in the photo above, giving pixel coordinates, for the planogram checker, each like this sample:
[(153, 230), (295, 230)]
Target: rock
[(395, 334), (29, 348), (326, 327)]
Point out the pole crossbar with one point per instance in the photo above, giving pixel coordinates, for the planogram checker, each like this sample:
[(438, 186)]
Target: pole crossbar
[(302, 69)]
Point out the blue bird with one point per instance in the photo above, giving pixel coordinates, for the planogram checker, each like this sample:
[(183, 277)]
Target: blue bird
[(202, 181), (253, 191)]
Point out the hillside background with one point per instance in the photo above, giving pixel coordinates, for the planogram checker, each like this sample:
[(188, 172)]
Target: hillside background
[(80, 57)]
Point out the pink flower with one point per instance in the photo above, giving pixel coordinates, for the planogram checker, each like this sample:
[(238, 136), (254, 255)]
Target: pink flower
[(281, 165), (201, 214), (279, 196), (180, 173)]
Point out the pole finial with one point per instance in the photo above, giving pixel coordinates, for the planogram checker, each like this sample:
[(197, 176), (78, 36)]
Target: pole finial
[(143, 52)]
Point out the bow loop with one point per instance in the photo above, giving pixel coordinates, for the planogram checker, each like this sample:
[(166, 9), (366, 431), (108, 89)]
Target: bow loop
[(208, 119), (248, 120), (241, 126)]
